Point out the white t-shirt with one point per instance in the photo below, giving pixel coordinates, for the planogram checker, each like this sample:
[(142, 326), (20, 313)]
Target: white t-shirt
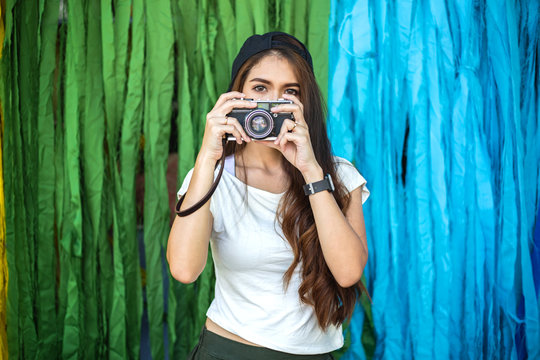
[(250, 256)]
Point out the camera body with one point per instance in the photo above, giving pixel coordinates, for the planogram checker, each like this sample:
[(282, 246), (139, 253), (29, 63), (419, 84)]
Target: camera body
[(260, 123)]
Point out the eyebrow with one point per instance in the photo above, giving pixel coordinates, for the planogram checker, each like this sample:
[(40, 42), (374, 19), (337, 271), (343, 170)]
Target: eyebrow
[(264, 81)]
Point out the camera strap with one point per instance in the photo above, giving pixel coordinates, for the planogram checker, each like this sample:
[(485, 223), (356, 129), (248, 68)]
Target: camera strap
[(208, 195)]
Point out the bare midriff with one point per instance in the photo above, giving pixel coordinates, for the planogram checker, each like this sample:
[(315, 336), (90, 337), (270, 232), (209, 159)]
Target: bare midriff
[(216, 329)]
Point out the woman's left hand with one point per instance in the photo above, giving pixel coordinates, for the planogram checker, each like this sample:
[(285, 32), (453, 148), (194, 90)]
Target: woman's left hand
[(293, 140)]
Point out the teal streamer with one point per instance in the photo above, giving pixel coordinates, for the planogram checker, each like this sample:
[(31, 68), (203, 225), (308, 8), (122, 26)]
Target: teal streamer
[(435, 102), (340, 124), (497, 34), (419, 158), (440, 62), (529, 125)]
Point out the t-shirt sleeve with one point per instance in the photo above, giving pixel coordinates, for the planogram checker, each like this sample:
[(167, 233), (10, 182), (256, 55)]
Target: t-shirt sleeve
[(185, 184), (351, 178)]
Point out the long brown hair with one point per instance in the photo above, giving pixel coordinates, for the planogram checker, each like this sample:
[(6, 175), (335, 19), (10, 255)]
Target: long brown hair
[(332, 303)]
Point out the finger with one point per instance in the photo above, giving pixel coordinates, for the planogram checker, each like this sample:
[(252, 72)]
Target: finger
[(239, 128), (228, 96), (285, 108), (295, 109), (225, 130), (216, 120), (229, 105), (287, 126), (290, 137), (219, 121), (294, 99)]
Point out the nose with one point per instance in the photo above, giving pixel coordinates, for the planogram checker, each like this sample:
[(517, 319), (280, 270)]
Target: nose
[(274, 94)]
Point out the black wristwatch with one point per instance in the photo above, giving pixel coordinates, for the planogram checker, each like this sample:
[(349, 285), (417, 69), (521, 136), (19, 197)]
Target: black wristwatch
[(317, 186)]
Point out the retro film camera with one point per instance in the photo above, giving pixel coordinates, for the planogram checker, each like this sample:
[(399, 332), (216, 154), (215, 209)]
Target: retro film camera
[(260, 123)]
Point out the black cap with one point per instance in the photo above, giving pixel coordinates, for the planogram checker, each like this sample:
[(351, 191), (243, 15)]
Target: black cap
[(258, 43)]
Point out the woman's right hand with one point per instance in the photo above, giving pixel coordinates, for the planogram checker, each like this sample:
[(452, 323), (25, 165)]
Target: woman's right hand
[(218, 124)]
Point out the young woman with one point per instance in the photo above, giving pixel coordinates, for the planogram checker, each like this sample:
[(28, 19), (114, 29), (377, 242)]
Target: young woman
[(288, 255)]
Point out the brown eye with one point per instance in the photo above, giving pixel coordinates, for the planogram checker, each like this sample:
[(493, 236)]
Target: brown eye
[(259, 88), (291, 92)]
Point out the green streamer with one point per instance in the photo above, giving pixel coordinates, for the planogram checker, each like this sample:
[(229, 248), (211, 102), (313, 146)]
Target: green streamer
[(254, 20), (71, 234), (182, 329), (122, 17), (292, 18), (174, 310), (208, 33), (20, 106), (76, 99), (113, 54), (159, 88), (128, 129), (92, 140), (28, 86), (129, 155), (60, 183), (225, 43), (109, 74), (46, 257), (102, 225), (316, 39), (10, 153)]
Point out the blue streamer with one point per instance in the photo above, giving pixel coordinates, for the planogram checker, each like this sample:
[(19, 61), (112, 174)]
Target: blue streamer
[(436, 104)]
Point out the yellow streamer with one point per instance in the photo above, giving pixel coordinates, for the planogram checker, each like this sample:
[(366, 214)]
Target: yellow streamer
[(3, 261)]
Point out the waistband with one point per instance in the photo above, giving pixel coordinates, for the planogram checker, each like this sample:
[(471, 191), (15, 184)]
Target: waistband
[(224, 348)]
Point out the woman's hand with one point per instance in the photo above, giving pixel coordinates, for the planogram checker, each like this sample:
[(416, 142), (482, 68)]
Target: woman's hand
[(294, 141), (218, 124)]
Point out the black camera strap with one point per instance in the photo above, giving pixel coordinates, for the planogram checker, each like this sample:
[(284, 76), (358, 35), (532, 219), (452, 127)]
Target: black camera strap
[(208, 195)]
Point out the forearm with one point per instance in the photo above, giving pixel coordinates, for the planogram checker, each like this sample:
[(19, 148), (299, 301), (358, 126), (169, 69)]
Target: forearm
[(187, 247), (342, 240)]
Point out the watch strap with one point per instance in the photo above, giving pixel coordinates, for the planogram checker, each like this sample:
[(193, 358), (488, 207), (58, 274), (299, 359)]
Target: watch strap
[(318, 186)]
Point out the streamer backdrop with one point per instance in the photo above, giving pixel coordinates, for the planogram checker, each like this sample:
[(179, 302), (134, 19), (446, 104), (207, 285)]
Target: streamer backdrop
[(436, 102)]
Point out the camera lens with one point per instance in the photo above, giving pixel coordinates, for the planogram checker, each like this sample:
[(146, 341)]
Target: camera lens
[(259, 124)]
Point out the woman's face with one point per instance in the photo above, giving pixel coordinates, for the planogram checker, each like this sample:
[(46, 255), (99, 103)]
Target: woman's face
[(272, 77)]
